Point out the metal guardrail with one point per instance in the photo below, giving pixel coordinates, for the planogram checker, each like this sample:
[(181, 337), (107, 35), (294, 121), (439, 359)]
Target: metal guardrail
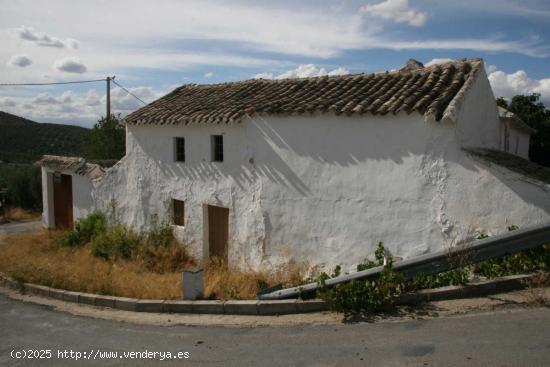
[(440, 261)]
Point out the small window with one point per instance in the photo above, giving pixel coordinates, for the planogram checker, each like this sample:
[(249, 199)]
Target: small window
[(179, 212), (217, 148), (179, 149)]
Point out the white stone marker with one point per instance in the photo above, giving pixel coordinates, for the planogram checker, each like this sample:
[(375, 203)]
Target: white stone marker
[(193, 284)]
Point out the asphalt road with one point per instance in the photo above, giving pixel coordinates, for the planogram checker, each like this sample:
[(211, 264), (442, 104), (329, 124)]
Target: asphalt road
[(20, 227), (520, 337)]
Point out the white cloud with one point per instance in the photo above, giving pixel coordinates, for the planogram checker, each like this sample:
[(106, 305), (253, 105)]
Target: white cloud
[(322, 31), (45, 98), (263, 76), (509, 85), (81, 108), (396, 10), (437, 61), (92, 98), (490, 68), (302, 71), (19, 60), (209, 74), (66, 97), (43, 39), (7, 102), (70, 65), (122, 101), (339, 71)]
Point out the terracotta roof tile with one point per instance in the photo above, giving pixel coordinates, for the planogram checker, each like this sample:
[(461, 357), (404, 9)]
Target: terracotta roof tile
[(431, 91)]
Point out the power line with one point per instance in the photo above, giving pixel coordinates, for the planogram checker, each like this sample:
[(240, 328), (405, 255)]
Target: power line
[(53, 83), (130, 93)]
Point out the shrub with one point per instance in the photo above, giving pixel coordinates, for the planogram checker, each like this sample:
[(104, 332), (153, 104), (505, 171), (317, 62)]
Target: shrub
[(85, 230), (160, 233), (162, 259), (458, 276), (364, 295), (526, 261), (115, 241)]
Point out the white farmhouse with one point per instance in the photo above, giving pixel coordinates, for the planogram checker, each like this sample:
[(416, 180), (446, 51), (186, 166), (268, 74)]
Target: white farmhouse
[(320, 169)]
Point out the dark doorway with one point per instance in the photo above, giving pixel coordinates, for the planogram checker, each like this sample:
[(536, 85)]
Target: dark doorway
[(63, 201), (218, 232)]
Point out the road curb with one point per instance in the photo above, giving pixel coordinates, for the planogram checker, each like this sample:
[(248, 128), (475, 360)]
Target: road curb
[(472, 290), (254, 307)]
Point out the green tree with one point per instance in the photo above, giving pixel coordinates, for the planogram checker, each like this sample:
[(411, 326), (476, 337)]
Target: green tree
[(107, 139), (536, 115)]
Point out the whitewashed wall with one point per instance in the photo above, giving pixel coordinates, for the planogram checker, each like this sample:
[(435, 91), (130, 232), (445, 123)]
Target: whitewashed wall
[(326, 189), (48, 220), (519, 143), (478, 124)]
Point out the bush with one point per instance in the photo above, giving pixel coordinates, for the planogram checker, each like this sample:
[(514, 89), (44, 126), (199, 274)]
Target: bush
[(85, 230), (364, 295), (458, 276), (526, 261), (115, 241), (160, 234), (379, 294)]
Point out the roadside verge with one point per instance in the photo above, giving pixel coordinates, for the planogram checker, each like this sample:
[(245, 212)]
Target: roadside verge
[(257, 307)]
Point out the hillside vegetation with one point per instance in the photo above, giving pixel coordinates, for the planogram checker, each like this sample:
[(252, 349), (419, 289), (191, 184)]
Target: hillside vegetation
[(25, 141)]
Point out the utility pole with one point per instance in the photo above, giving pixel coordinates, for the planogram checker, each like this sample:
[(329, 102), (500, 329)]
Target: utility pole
[(109, 95)]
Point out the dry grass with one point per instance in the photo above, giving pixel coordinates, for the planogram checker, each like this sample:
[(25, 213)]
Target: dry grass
[(536, 290), (18, 214), (36, 258), (227, 283)]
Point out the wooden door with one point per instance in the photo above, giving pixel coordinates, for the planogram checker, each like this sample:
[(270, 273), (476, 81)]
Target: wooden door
[(218, 232), (63, 201)]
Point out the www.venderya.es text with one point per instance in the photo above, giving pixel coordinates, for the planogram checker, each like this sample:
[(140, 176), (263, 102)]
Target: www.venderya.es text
[(95, 354)]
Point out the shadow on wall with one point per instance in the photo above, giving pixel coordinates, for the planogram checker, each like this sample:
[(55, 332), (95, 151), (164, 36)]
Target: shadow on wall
[(338, 142)]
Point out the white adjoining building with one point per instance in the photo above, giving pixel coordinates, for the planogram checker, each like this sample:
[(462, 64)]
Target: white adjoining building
[(262, 172)]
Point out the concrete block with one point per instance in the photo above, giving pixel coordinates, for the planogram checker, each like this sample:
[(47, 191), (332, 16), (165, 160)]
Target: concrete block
[(178, 306), (149, 305), (211, 307), (277, 307), (57, 293), (192, 281), (312, 305), (87, 298), (71, 296), (241, 307), (12, 283), (38, 290), (126, 304), (105, 301)]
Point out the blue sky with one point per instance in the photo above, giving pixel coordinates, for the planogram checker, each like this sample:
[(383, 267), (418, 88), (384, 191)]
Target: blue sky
[(152, 47)]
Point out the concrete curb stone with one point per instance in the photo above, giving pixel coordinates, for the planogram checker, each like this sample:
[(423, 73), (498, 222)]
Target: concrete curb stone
[(314, 305), (87, 298), (105, 301), (71, 296), (210, 307), (241, 307), (277, 307), (173, 306), (126, 304), (262, 307), (149, 305), (57, 293), (39, 290)]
